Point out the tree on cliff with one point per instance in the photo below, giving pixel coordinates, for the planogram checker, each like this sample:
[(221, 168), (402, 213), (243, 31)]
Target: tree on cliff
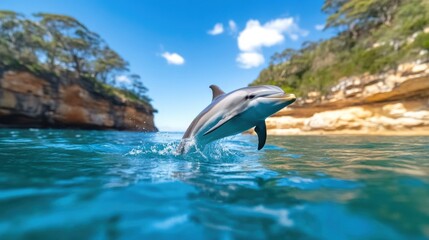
[(20, 38), (107, 63), (69, 43), (58, 43), (372, 36), (357, 16)]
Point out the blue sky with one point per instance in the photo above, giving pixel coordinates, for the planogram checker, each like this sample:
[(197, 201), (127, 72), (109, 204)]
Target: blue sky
[(176, 48)]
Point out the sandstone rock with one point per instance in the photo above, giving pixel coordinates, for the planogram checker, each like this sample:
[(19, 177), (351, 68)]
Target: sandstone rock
[(394, 102), (7, 99), (325, 121), (352, 92), (409, 122), (23, 82), (48, 102), (313, 94), (405, 68), (386, 122), (284, 122), (371, 89), (394, 110), (419, 68), (309, 101), (392, 81), (422, 115)]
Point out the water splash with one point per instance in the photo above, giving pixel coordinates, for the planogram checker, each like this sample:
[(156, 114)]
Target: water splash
[(156, 149), (226, 148)]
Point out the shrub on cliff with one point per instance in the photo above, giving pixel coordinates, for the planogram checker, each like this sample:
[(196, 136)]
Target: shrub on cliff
[(373, 36)]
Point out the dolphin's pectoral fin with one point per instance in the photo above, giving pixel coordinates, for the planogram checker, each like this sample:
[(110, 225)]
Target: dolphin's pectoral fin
[(220, 123), (216, 91), (261, 130)]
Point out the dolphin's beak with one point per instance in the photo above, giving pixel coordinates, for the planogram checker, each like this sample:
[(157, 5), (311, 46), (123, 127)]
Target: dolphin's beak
[(289, 98), (277, 99)]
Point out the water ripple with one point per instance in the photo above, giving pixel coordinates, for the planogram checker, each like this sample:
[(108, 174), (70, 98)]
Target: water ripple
[(122, 185)]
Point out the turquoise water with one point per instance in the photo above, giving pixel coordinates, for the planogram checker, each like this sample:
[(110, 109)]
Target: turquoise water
[(67, 184)]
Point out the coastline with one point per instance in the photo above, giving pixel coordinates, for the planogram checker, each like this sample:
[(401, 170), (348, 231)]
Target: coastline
[(394, 103), (292, 132), (67, 102)]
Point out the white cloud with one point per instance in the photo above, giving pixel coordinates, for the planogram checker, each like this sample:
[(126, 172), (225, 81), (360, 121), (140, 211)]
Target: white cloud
[(232, 26), (255, 36), (217, 29), (123, 79), (250, 59), (319, 27), (173, 58)]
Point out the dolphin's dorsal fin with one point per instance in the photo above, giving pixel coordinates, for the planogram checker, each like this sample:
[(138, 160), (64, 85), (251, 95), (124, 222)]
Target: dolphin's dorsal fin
[(261, 130), (216, 91)]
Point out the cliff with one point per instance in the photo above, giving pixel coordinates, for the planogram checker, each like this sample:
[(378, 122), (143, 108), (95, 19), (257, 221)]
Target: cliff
[(392, 103), (30, 100)]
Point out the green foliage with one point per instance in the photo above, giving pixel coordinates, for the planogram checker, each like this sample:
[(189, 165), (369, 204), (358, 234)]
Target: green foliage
[(373, 36), (357, 16), (422, 41), (56, 43), (413, 16)]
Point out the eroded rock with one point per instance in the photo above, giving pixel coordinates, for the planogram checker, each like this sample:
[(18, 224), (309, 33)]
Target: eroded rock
[(396, 102), (27, 100)]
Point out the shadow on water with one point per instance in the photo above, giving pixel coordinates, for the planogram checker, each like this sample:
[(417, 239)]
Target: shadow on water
[(91, 184)]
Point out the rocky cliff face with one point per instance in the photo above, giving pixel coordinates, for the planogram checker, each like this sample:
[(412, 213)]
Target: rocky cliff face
[(27, 100), (396, 102)]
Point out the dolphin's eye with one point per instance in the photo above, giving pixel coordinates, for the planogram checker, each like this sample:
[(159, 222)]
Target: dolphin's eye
[(250, 96)]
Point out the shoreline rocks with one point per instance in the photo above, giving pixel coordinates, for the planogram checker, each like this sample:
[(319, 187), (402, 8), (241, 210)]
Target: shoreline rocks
[(27, 100), (392, 103)]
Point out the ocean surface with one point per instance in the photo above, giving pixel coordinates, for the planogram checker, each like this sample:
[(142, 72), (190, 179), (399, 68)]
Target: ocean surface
[(70, 184)]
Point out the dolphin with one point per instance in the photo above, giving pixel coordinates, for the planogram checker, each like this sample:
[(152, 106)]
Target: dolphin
[(235, 112)]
